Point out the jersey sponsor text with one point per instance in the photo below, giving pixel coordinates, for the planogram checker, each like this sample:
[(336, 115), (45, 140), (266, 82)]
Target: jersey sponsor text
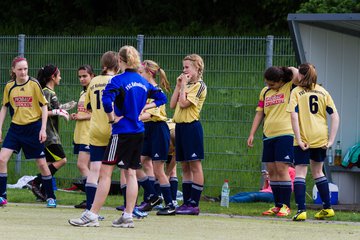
[(23, 101), (276, 99)]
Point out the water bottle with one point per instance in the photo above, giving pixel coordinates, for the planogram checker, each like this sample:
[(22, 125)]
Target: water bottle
[(225, 194), (337, 160), (330, 157)]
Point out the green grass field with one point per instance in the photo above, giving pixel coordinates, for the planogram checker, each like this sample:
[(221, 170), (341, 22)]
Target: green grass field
[(34, 221), (25, 196)]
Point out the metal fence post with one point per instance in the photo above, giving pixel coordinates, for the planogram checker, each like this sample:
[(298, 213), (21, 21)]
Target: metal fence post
[(21, 53), (268, 63), (140, 45), (269, 51), (21, 46)]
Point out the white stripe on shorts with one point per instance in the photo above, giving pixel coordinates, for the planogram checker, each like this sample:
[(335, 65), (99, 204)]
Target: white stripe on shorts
[(113, 146)]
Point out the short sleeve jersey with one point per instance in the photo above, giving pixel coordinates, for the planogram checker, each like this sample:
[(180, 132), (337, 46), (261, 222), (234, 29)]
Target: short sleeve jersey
[(312, 107), (52, 125), (24, 101), (273, 103), (196, 94), (100, 130), (81, 134)]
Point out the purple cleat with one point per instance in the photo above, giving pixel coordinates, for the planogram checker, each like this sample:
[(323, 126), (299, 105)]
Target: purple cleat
[(188, 210), (120, 208)]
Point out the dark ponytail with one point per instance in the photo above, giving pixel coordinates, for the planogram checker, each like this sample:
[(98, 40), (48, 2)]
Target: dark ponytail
[(278, 74), (46, 73)]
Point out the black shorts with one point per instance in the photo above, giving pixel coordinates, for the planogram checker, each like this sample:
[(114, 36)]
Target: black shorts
[(303, 157), (54, 152), (124, 150)]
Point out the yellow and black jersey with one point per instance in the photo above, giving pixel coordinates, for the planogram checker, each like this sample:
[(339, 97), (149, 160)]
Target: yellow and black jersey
[(82, 127), (24, 101), (312, 107), (100, 129), (277, 121), (196, 94), (158, 114)]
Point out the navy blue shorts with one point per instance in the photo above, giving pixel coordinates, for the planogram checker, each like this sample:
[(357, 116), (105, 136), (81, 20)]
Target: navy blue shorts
[(189, 140), (81, 148), (124, 150), (278, 149), (97, 153), (54, 152), (156, 141), (25, 137), (303, 157)]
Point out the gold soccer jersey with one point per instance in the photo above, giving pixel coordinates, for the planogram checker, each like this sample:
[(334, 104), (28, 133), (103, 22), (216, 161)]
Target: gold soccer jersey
[(196, 94), (100, 130), (24, 101), (273, 103), (81, 134), (158, 114), (312, 107)]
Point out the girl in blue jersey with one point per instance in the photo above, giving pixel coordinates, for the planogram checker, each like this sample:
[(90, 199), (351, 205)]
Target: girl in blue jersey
[(157, 136), (124, 99), (27, 104)]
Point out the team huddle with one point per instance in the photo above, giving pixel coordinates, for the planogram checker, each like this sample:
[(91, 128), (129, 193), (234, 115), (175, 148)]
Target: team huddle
[(121, 121)]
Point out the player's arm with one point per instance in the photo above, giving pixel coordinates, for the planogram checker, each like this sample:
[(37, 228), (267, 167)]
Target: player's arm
[(183, 101), (259, 116), (2, 119), (174, 97), (296, 129), (334, 126), (295, 77), (44, 117)]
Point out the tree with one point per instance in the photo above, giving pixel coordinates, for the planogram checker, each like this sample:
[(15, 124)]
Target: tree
[(330, 6)]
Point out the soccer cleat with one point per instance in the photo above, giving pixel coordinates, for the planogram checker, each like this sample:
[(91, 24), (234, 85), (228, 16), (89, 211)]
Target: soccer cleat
[(158, 207), (300, 216), (81, 205), (284, 211), (120, 208), (36, 190), (271, 211), (180, 209), (123, 222), (325, 213), (87, 219), (3, 202), (141, 206), (152, 203), (188, 210), (167, 211), (51, 203), (139, 214)]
